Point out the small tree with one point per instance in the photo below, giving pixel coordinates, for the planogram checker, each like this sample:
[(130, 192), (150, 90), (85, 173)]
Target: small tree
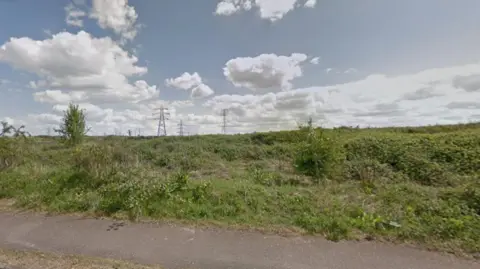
[(20, 132), (6, 128), (73, 129)]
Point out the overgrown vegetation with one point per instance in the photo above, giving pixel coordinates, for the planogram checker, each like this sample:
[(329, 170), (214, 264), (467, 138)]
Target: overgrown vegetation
[(7, 129), (417, 185)]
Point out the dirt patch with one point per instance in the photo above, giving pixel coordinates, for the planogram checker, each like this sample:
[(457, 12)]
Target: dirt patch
[(10, 259)]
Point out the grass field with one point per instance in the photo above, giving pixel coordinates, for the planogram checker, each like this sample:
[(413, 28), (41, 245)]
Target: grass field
[(418, 185)]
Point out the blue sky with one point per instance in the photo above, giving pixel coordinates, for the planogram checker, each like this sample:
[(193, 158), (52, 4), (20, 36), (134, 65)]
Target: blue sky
[(366, 49)]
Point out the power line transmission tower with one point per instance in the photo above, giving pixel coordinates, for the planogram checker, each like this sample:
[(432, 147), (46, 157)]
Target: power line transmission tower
[(224, 115), (162, 117), (180, 128)]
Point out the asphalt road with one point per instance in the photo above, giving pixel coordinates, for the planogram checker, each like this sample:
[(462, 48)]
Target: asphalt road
[(179, 247)]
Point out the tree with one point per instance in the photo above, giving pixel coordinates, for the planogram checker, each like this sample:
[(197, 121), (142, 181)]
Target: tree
[(20, 132), (6, 128), (73, 128)]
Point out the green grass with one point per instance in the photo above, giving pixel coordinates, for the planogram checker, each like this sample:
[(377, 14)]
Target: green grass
[(418, 185)]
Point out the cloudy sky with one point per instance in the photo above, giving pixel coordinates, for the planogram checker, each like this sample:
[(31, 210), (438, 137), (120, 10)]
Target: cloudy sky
[(271, 63)]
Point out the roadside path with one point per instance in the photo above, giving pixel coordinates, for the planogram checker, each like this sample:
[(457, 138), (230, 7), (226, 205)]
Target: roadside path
[(183, 248)]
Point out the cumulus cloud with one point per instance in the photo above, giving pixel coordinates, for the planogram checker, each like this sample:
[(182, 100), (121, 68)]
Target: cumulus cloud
[(265, 71), (190, 82), (201, 91), (268, 9), (8, 120), (116, 15), (315, 60), (74, 15), (46, 118), (78, 67), (422, 93), (442, 95), (428, 97), (186, 81), (464, 105), (470, 83), (57, 96), (310, 3)]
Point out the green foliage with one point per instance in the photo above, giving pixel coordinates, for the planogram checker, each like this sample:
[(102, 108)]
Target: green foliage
[(8, 154), (13, 153), (440, 159), (73, 128), (6, 128), (20, 132), (416, 185), (318, 155)]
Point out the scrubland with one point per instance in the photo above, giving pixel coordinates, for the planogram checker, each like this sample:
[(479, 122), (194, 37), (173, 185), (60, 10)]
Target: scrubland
[(415, 185)]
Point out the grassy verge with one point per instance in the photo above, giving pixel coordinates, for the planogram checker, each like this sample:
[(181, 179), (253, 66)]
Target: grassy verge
[(409, 185), (11, 259)]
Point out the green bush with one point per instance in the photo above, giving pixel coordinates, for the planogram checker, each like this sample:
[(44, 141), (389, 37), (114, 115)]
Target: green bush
[(318, 156), (367, 169), (426, 159), (13, 153)]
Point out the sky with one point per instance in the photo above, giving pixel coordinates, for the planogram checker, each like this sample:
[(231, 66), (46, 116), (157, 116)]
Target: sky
[(270, 63)]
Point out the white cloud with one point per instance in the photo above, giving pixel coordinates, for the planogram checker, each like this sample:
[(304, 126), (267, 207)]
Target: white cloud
[(186, 81), (272, 10), (227, 8), (92, 109), (315, 60), (58, 97), (192, 82), (8, 120), (310, 3), (442, 95), (78, 67), (116, 15), (95, 72), (470, 83), (46, 118), (201, 91), (74, 16), (264, 71)]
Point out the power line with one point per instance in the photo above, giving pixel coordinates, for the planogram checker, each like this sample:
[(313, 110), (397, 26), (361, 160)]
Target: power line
[(224, 115), (162, 117)]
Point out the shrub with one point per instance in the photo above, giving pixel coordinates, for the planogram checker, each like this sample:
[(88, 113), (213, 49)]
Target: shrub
[(318, 155), (426, 159), (366, 169), (103, 161), (11, 154)]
